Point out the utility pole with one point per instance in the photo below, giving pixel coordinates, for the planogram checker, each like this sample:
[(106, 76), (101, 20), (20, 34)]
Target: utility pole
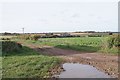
[(23, 30)]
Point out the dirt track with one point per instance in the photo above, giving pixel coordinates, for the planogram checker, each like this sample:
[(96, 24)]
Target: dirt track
[(103, 62)]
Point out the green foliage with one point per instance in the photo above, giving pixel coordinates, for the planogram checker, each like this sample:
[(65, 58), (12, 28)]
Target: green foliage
[(9, 46), (113, 41), (111, 44)]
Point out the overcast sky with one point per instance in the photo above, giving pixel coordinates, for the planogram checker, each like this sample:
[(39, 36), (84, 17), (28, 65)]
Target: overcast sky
[(58, 16)]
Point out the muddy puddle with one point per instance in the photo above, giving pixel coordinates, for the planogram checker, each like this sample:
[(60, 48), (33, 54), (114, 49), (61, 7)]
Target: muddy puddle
[(76, 70)]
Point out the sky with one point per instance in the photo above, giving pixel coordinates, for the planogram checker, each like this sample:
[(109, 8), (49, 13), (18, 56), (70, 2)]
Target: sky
[(58, 16)]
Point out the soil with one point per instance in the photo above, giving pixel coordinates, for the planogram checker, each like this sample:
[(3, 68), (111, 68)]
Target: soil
[(104, 62)]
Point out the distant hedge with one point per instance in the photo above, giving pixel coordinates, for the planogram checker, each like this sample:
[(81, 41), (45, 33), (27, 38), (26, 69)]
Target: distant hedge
[(5, 39), (9, 46), (29, 37), (94, 35)]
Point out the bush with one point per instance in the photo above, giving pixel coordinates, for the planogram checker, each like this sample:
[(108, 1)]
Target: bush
[(9, 46), (29, 37), (34, 37), (5, 39), (111, 44), (95, 35), (113, 41)]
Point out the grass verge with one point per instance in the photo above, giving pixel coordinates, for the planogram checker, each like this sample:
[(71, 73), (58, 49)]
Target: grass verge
[(27, 63)]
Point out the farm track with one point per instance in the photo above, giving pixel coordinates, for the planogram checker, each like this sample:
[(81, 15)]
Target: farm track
[(103, 62)]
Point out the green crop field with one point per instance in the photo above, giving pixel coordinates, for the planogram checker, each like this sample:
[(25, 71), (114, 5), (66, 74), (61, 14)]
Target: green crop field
[(81, 44), (90, 41), (85, 44)]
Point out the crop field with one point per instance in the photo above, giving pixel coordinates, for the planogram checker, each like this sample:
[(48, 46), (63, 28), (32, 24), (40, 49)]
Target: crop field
[(81, 44), (85, 44), (90, 41)]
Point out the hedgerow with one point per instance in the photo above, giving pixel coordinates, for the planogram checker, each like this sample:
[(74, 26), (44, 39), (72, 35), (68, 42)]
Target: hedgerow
[(29, 37), (9, 46), (113, 41)]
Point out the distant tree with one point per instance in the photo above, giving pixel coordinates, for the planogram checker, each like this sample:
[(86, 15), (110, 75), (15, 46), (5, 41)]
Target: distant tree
[(6, 33), (110, 33)]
